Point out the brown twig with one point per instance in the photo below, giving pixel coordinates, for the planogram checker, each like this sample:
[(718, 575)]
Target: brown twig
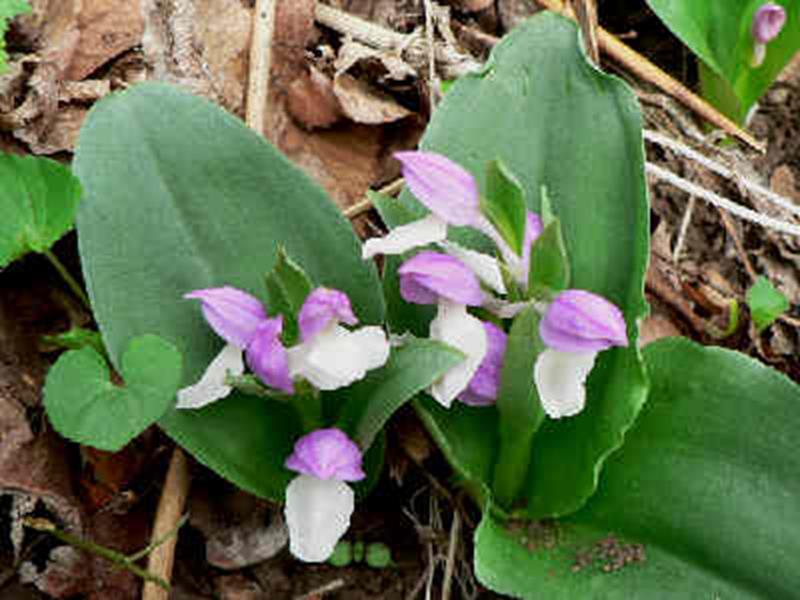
[(260, 63), (643, 68), (586, 15), (168, 516)]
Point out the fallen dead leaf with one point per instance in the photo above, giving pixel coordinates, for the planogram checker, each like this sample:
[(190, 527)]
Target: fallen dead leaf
[(311, 101), (363, 103)]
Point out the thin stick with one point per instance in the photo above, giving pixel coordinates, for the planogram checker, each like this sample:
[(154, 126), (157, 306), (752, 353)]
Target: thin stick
[(331, 586), (717, 200), (450, 565), (586, 14), (260, 63), (170, 508), (433, 81), (642, 67), (719, 169), (68, 279), (89, 546), (687, 217), (390, 189)]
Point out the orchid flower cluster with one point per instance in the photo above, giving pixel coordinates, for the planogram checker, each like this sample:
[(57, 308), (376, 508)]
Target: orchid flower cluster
[(575, 326), (768, 21), (329, 356)]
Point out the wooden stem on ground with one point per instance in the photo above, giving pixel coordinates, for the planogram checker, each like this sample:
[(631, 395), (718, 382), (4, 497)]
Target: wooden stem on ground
[(170, 508), (643, 68)]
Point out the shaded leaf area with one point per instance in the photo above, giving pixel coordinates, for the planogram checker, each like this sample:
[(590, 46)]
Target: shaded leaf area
[(38, 199), (182, 196), (720, 35), (596, 186), (701, 501)]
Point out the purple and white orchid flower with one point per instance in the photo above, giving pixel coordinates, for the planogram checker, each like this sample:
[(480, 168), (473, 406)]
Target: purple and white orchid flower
[(451, 194), (236, 317), (329, 356), (319, 502), (576, 326), (768, 22), (485, 383), (441, 279)]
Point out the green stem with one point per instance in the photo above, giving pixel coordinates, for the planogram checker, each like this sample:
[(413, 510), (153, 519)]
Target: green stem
[(155, 544), (309, 407), (88, 546), (68, 279)]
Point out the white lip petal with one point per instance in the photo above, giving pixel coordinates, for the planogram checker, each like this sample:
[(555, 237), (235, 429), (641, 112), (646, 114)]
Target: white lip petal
[(561, 381), (406, 237), (453, 325), (211, 386), (336, 357), (484, 266), (317, 514)]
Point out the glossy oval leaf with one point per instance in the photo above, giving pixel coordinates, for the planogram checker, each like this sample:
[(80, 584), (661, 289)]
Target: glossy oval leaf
[(719, 33), (577, 131), (700, 502), (180, 196)]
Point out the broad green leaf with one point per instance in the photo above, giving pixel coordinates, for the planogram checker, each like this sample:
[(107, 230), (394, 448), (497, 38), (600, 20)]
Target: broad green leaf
[(719, 33), (38, 199), (86, 407), (766, 303), (504, 204), (596, 185), (520, 411), (8, 10), (704, 491), (180, 196), (549, 270), (287, 288), (369, 403)]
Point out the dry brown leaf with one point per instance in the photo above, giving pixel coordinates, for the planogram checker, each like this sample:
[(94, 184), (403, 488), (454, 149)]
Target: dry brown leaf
[(106, 28), (362, 103), (311, 101), (656, 327)]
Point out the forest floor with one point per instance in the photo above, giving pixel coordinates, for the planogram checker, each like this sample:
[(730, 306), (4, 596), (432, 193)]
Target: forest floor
[(339, 108)]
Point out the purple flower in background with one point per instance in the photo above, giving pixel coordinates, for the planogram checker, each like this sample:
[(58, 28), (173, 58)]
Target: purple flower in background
[(576, 326), (330, 356), (768, 22), (441, 279), (485, 384), (318, 501)]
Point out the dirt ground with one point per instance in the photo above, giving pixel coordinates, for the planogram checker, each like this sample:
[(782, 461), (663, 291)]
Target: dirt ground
[(338, 109)]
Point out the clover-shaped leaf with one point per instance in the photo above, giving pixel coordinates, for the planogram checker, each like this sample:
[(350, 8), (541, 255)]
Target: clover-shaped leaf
[(84, 405), (38, 199)]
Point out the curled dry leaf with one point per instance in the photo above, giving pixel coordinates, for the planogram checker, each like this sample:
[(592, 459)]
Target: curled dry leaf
[(363, 103), (311, 101)]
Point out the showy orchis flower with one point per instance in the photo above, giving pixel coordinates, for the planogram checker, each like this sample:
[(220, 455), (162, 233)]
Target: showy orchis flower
[(768, 22), (451, 194), (435, 278), (485, 384), (329, 356), (576, 326), (235, 316), (318, 501)]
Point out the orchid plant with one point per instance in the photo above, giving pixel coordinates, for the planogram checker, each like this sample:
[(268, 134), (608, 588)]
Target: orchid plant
[(742, 45), (506, 314)]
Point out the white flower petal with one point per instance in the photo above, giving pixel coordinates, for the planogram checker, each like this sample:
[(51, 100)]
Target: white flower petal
[(402, 239), (504, 309), (484, 266), (560, 380), (317, 514), (336, 357), (453, 325), (211, 386)]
